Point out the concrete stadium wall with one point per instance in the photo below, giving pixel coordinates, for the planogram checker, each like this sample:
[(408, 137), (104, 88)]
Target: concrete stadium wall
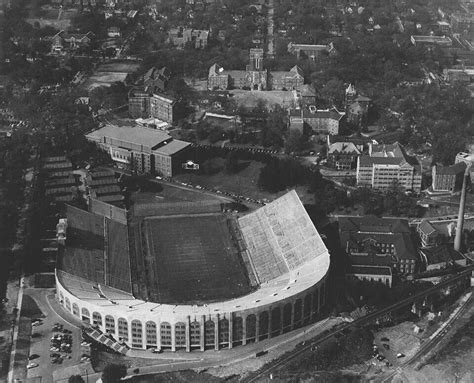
[(145, 330), (107, 210)]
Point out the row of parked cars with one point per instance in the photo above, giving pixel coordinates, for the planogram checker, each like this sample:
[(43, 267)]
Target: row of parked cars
[(61, 344)]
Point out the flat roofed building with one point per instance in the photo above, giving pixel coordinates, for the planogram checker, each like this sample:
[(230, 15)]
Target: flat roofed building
[(141, 149), (382, 274), (144, 103), (386, 165), (443, 41), (448, 178), (373, 241)]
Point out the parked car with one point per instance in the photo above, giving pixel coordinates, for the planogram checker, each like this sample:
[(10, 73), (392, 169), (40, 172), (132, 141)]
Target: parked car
[(400, 355), (33, 356), (31, 365)]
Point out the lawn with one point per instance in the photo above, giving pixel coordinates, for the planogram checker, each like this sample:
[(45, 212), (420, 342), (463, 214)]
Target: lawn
[(244, 183)]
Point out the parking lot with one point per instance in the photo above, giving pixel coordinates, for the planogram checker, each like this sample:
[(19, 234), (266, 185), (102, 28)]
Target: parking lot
[(54, 342)]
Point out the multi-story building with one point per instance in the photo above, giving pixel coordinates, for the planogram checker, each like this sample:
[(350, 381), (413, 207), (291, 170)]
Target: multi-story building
[(442, 41), (320, 121), (179, 37), (143, 103), (386, 165), (429, 236), (157, 79), (254, 77), (342, 155), (373, 241), (447, 178), (143, 150)]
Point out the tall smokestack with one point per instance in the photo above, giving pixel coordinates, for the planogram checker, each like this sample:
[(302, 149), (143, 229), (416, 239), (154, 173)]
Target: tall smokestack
[(462, 204)]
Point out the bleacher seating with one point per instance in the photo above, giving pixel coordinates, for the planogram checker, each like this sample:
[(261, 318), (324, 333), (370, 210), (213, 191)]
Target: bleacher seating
[(280, 237)]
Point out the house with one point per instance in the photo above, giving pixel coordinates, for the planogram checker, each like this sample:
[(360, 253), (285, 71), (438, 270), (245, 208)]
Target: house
[(342, 155), (314, 52), (386, 165), (254, 77), (142, 150), (179, 37), (320, 121), (361, 143), (428, 234), (381, 242), (447, 178), (157, 79), (113, 32), (145, 103), (70, 41), (441, 257)]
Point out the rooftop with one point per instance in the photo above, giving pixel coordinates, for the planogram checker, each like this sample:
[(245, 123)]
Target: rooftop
[(137, 135), (455, 169), (370, 270)]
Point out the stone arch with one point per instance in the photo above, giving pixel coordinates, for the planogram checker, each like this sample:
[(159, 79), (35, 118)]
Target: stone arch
[(68, 304), (223, 331), (96, 319), (209, 333), (75, 309), (123, 329), (237, 330), (165, 334), (150, 330), (195, 334), (137, 333), (251, 327), (180, 335), (287, 317), (263, 326), (276, 322), (307, 308), (110, 324), (298, 307), (85, 315)]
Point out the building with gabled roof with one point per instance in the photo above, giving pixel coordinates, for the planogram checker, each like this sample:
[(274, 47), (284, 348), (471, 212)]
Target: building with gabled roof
[(312, 51), (254, 77), (386, 165), (320, 121), (440, 257), (157, 79), (373, 241), (429, 236), (342, 155)]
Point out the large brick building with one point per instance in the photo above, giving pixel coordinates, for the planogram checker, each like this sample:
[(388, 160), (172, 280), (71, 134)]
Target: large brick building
[(254, 77), (319, 121), (386, 165), (382, 242), (143, 103), (447, 178), (142, 150)]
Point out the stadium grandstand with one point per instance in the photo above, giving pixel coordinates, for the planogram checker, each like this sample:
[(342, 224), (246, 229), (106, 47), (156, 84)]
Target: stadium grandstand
[(190, 276)]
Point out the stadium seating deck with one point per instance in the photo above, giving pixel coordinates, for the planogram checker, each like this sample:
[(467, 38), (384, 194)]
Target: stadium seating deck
[(280, 237)]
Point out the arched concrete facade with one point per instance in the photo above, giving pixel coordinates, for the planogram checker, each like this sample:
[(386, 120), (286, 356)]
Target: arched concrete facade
[(200, 332)]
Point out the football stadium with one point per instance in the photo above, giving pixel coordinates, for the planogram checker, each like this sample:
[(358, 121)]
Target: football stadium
[(191, 275)]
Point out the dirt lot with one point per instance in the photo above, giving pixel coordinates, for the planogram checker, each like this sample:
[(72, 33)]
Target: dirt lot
[(250, 99)]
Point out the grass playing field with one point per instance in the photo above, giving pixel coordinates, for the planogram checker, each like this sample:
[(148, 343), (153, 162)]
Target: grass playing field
[(192, 259)]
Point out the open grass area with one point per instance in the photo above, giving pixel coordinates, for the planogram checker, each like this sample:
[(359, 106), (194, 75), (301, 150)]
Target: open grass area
[(244, 183), (194, 259)]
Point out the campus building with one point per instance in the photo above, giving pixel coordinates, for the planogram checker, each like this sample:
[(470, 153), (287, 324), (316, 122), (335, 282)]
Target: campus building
[(447, 178), (386, 165), (145, 103), (318, 121), (255, 76), (141, 149), (381, 242)]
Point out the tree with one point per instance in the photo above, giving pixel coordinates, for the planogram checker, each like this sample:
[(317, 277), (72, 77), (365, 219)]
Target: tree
[(75, 379), (232, 163), (294, 142), (113, 373)]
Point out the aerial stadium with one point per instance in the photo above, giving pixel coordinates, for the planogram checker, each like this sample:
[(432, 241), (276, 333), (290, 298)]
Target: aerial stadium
[(190, 275)]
